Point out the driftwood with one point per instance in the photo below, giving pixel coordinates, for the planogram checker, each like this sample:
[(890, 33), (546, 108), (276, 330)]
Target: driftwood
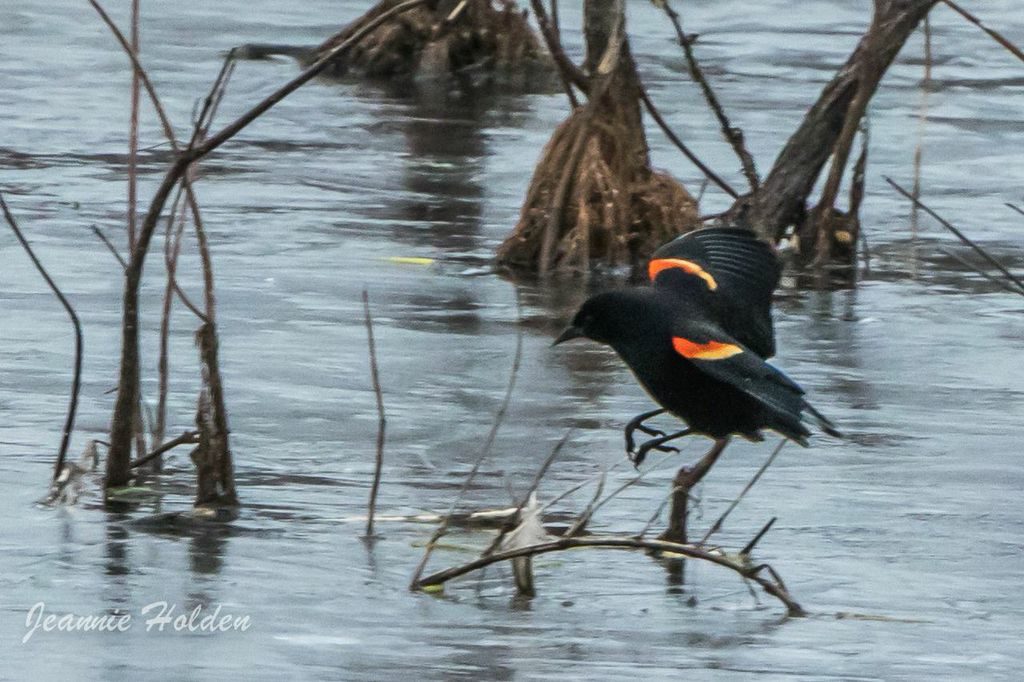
[(594, 196)]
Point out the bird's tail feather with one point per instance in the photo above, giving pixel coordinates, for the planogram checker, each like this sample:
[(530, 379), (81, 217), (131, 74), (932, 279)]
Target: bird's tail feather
[(824, 423)]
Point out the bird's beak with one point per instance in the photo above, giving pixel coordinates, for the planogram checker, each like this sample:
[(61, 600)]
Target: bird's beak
[(569, 334)]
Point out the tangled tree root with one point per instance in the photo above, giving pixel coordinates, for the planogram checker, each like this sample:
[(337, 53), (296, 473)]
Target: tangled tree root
[(594, 198), (440, 38)]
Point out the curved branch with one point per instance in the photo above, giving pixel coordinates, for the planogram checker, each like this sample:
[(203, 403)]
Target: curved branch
[(773, 587), (69, 422)]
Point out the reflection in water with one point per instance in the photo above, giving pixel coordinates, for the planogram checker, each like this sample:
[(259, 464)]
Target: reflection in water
[(442, 205), (116, 564), (206, 549)]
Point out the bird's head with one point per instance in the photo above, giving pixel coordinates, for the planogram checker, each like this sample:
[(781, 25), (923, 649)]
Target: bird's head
[(607, 318)]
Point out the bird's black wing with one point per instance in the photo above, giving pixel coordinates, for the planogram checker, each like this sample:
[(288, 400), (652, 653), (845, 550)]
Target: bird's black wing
[(726, 359), (731, 272)]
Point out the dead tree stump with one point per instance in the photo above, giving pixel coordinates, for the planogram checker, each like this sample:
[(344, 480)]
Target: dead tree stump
[(594, 197), (440, 38)]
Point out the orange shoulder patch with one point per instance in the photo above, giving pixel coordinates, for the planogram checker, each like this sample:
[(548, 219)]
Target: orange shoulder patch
[(660, 264), (712, 350)]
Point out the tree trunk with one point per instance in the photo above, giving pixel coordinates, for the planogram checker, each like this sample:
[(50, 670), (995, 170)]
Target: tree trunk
[(781, 201)]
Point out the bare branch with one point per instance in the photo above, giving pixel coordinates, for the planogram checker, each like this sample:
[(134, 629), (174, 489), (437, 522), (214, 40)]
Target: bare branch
[(185, 438), (121, 427), (749, 547), (773, 587), (1016, 51), (708, 173), (69, 422), (499, 417), (922, 119), (110, 246), (133, 132), (960, 235), (717, 525), (733, 135), (381, 418), (570, 73)]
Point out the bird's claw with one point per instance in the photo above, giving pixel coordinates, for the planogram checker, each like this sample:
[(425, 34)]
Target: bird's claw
[(638, 456), (637, 423)]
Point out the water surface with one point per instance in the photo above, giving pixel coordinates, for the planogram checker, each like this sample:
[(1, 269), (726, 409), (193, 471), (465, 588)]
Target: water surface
[(904, 541)]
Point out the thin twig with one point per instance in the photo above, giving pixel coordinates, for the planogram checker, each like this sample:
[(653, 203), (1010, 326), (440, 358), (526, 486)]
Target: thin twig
[(776, 588), (185, 438), (381, 419), (1016, 208), (657, 512), (708, 173), (582, 484), (922, 119), (556, 31), (69, 421), (570, 73), (733, 135), (110, 246), (960, 235), (548, 461), (137, 68), (630, 483), (717, 525), (749, 547), (499, 417), (133, 132), (581, 522), (1016, 51)]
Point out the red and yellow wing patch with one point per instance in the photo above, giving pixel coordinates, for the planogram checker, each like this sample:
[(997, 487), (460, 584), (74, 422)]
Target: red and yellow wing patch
[(712, 350), (690, 267)]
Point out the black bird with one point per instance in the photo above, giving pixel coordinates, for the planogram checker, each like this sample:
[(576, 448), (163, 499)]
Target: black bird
[(697, 339)]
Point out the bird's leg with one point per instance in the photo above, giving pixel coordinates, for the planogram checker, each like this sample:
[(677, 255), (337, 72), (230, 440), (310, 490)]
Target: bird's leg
[(656, 444), (685, 480), (637, 422)]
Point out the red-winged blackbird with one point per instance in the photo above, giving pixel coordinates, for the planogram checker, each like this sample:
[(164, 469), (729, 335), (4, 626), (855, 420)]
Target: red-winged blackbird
[(697, 339)]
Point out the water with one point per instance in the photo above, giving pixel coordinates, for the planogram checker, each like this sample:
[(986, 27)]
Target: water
[(904, 541)]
